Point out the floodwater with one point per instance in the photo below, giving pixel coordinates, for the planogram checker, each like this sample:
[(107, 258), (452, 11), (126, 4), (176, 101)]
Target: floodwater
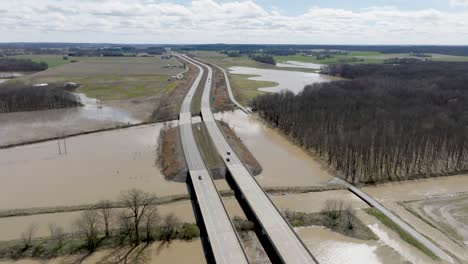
[(449, 213), (418, 189), (391, 195), (299, 64), (12, 227), (287, 80), (333, 248), (283, 163), (177, 251), (23, 126), (96, 166), (313, 202)]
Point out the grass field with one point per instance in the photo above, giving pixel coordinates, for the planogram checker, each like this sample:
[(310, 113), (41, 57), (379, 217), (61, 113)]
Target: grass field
[(367, 57), (248, 88), (51, 60), (206, 146), (110, 78)]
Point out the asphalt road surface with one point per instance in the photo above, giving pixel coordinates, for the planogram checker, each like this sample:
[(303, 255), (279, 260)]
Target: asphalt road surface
[(225, 244), (287, 244)]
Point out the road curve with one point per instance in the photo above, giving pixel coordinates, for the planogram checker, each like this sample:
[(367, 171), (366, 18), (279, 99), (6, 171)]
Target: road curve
[(287, 244), (407, 228), (225, 244), (228, 86)]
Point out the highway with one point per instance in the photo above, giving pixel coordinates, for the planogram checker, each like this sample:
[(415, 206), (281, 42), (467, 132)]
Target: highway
[(229, 89), (285, 241), (407, 228), (225, 244)]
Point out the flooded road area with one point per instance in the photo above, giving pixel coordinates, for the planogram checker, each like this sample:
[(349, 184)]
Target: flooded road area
[(177, 251), (97, 166), (334, 248), (287, 80), (283, 163), (34, 125), (393, 195)]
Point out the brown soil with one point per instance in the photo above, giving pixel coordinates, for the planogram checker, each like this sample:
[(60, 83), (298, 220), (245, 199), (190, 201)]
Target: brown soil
[(168, 105), (240, 149), (219, 94), (171, 158)]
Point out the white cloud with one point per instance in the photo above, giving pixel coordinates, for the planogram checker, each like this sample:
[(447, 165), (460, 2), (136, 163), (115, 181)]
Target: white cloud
[(210, 21), (458, 2)]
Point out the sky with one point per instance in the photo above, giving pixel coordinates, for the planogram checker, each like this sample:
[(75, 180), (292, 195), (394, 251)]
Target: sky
[(400, 22)]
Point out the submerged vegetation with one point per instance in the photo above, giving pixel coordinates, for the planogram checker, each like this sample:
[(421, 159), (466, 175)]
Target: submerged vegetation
[(390, 122), (20, 97)]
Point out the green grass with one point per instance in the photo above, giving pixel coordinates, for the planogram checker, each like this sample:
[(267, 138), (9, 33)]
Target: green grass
[(170, 86), (125, 87), (403, 235), (335, 58), (249, 88), (206, 146), (51, 60)]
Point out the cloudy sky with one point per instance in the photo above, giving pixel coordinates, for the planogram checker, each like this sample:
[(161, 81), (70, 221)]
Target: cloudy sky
[(229, 21)]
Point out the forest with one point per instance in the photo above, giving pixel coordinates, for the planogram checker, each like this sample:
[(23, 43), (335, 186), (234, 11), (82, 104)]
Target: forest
[(388, 122), (21, 65), (17, 98), (263, 58)]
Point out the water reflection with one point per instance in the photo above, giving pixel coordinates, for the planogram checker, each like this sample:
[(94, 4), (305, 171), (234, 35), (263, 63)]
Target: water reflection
[(287, 80)]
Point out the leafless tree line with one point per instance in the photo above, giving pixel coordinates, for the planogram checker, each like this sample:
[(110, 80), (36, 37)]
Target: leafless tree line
[(387, 125), (16, 98), (138, 220)]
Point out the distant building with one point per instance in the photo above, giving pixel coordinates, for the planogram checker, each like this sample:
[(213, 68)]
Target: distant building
[(70, 85), (40, 84)]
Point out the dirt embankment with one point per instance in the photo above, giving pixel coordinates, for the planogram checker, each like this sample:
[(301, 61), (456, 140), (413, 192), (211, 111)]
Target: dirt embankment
[(250, 162), (170, 156), (219, 95), (168, 105)]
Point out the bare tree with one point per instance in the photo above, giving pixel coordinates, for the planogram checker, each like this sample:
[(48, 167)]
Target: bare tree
[(333, 209), (349, 217), (56, 234), (150, 220), (28, 235), (125, 226), (88, 225), (105, 210), (137, 202), (170, 227)]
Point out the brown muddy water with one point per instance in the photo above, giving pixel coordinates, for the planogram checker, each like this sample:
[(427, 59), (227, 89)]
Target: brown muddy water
[(25, 126), (176, 251), (11, 228), (97, 166), (392, 195), (283, 163)]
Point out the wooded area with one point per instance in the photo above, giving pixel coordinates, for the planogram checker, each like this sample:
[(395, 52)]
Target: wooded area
[(391, 122), (21, 65), (17, 98)]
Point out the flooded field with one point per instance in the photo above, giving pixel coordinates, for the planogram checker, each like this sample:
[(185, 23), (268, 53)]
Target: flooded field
[(12, 227), (176, 251), (418, 189), (287, 80), (299, 64), (96, 166), (393, 195), (284, 164), (449, 214), (23, 126)]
